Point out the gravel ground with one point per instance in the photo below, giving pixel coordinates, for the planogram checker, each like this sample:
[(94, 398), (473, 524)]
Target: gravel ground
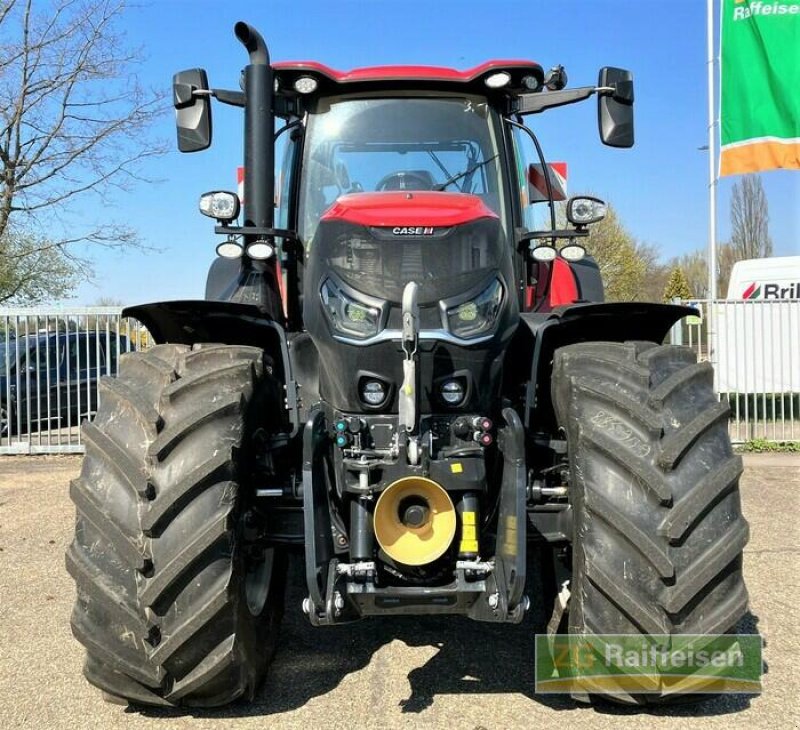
[(418, 671)]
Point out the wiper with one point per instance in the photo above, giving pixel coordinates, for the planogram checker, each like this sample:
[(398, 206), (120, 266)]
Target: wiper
[(468, 171)]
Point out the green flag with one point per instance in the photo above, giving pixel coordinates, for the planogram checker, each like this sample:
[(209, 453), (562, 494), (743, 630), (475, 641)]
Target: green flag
[(760, 85)]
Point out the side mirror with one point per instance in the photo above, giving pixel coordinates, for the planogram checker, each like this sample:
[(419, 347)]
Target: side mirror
[(615, 108), (192, 110)]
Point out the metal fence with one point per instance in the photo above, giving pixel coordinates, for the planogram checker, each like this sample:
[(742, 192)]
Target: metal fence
[(50, 365), (51, 362), (754, 346)]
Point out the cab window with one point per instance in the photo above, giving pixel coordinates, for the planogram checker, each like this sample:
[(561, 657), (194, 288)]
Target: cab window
[(373, 144), (525, 155), (285, 154)]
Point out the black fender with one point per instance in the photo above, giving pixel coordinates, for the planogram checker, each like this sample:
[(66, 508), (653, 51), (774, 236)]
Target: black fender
[(542, 334), (188, 322)]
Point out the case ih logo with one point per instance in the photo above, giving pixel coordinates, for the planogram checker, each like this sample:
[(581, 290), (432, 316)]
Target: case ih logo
[(771, 291), (412, 231)]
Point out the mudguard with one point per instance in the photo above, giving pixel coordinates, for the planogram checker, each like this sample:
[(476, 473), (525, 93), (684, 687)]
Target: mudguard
[(188, 322), (607, 322)]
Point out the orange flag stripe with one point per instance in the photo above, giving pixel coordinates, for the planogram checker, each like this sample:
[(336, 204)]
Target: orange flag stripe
[(758, 157)]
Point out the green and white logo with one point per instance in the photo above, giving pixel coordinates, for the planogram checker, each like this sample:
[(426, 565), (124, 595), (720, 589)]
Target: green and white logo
[(664, 664)]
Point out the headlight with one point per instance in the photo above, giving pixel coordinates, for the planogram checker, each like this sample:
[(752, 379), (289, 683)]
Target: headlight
[(478, 315), (346, 315), (372, 392), (452, 391)]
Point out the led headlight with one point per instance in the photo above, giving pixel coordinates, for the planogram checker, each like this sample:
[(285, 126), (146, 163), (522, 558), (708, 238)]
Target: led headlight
[(478, 315), (348, 316)]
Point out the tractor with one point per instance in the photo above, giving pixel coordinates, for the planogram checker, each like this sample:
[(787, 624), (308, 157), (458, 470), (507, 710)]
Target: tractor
[(396, 373)]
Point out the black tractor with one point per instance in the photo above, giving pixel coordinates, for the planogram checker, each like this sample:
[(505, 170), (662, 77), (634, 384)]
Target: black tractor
[(394, 372)]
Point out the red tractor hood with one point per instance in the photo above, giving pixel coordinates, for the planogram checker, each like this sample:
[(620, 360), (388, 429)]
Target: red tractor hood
[(408, 209)]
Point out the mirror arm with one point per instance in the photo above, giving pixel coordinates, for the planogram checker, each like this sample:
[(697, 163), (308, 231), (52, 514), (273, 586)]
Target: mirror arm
[(233, 98), (537, 102)]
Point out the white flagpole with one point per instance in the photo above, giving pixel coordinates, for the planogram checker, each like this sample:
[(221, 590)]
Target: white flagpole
[(712, 158)]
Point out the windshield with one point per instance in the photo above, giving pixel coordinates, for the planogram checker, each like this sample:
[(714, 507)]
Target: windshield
[(373, 144)]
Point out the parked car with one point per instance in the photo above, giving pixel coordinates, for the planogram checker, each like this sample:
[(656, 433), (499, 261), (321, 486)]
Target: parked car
[(49, 380)]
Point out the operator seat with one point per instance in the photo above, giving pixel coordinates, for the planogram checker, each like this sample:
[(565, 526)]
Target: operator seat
[(407, 180)]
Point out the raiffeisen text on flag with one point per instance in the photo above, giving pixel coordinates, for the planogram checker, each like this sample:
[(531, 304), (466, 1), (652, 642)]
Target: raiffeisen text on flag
[(760, 85)]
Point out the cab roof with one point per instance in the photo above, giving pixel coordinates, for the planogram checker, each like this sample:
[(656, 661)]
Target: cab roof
[(411, 77)]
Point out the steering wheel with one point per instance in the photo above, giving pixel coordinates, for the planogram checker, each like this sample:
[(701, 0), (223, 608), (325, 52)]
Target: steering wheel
[(405, 181)]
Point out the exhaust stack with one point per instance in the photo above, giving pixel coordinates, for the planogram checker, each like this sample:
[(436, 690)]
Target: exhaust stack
[(259, 123)]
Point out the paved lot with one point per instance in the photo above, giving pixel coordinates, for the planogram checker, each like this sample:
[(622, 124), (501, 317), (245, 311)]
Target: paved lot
[(417, 672)]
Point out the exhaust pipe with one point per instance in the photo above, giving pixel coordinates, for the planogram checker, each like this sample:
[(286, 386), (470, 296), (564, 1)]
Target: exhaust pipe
[(259, 156), (253, 41)]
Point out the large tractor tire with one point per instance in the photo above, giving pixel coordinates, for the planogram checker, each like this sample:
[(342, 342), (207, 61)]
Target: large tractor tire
[(658, 526), (176, 604)]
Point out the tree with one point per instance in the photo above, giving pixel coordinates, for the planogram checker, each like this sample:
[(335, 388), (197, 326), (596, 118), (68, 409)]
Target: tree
[(32, 271), (677, 287), (750, 237), (694, 267), (73, 129), (726, 258), (656, 273), (622, 267)]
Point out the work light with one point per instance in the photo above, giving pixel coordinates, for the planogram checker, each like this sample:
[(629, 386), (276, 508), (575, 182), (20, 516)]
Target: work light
[(306, 85), (585, 210), (220, 204), (230, 249), (260, 250), (572, 252), (497, 80), (544, 253)]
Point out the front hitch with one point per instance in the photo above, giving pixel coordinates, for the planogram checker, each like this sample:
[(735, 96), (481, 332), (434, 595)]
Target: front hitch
[(408, 398)]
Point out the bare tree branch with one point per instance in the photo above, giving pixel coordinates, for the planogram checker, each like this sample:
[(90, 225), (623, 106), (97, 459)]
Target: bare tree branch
[(73, 122), (750, 237)]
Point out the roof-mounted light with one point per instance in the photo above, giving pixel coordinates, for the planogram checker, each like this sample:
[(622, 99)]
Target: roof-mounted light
[(305, 85), (531, 83), (498, 80)]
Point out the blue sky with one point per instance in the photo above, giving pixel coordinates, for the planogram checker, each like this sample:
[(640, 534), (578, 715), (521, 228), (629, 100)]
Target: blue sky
[(659, 188)]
